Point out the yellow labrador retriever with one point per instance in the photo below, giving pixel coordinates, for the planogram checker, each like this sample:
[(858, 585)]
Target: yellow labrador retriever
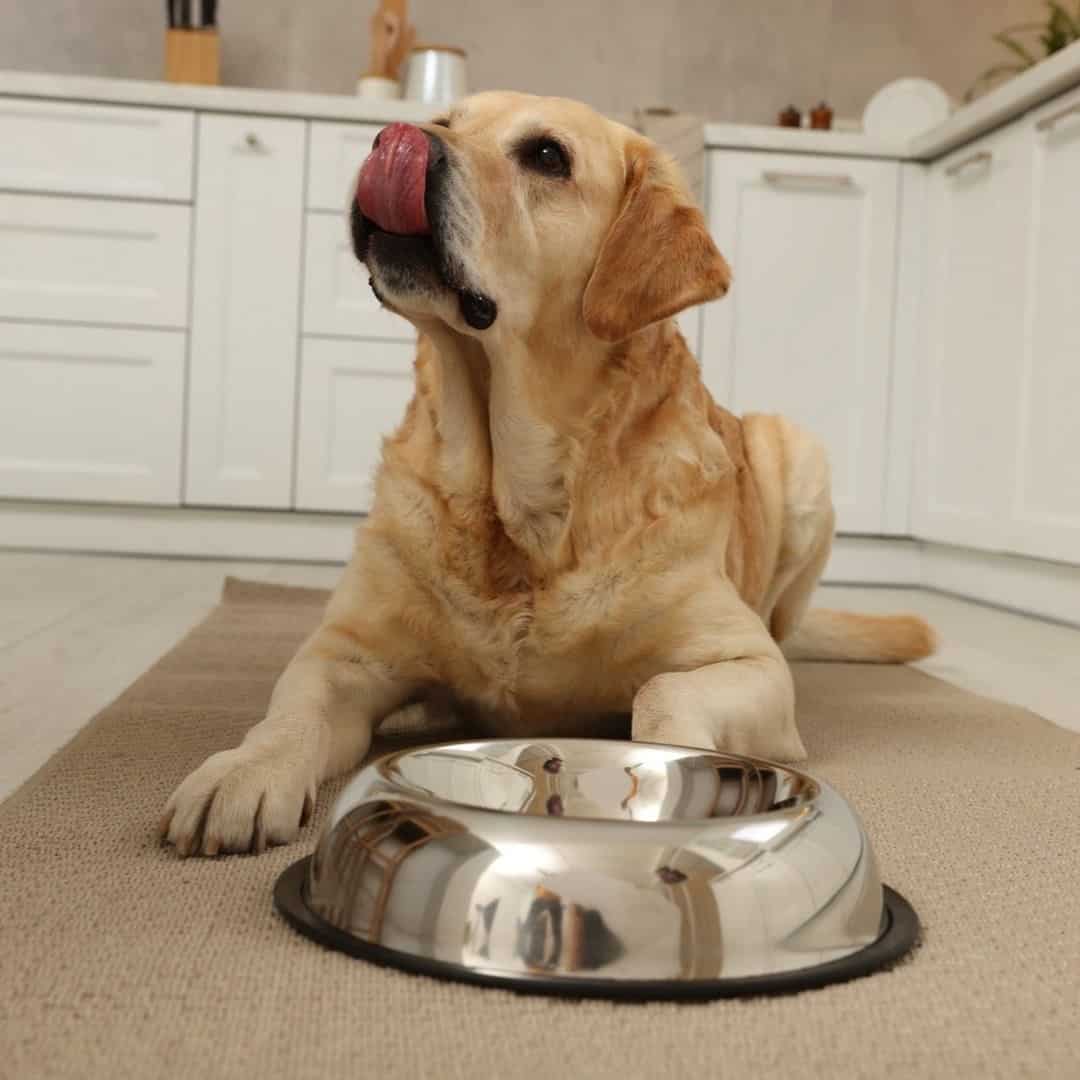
[(567, 528)]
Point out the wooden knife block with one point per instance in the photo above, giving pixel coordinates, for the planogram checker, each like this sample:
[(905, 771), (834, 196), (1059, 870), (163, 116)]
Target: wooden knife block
[(193, 56)]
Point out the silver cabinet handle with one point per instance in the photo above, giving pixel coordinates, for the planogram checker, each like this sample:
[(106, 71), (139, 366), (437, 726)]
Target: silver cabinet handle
[(980, 157), (1051, 121), (253, 142), (837, 180)]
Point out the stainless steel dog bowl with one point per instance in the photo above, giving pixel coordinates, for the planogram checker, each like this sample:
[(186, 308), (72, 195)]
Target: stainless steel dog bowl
[(598, 868)]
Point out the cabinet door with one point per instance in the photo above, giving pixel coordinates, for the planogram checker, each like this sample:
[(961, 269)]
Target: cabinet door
[(807, 327), (1046, 510), (352, 394), (978, 239), (244, 333), (90, 413)]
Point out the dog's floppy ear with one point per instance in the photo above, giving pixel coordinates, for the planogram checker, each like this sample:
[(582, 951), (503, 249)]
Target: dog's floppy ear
[(658, 257)]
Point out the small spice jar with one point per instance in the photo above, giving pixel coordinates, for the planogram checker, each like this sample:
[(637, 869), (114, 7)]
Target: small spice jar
[(821, 117), (790, 117)]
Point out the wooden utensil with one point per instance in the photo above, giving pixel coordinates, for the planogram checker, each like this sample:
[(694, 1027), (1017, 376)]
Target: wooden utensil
[(391, 38)]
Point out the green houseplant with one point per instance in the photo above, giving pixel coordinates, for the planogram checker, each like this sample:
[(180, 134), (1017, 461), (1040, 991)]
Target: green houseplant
[(1059, 29)]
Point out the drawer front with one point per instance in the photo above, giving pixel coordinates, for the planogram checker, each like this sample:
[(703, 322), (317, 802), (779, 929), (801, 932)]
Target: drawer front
[(337, 152), (337, 297), (96, 149), (352, 394), (90, 414), (93, 261)]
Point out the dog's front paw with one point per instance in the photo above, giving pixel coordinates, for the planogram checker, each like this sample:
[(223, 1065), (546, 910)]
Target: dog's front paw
[(238, 800), (670, 709)]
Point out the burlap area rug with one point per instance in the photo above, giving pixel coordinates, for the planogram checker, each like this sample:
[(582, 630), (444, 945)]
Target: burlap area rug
[(117, 959)]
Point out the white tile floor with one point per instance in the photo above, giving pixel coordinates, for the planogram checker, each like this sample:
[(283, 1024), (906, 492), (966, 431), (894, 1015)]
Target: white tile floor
[(75, 630)]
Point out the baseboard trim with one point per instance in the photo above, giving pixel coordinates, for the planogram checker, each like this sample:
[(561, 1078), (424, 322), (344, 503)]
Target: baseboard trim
[(874, 560), (177, 531), (1032, 586), (1050, 590)]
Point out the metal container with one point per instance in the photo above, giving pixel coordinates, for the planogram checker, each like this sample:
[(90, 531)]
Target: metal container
[(435, 75), (598, 868)]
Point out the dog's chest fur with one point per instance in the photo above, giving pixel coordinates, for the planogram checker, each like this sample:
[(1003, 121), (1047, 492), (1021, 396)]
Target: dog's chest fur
[(547, 574)]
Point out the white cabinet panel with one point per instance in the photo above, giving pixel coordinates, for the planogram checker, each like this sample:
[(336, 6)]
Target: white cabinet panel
[(337, 152), (337, 297), (807, 327), (1046, 511), (352, 394), (90, 414), (245, 314), (978, 240), (83, 149), (93, 260)]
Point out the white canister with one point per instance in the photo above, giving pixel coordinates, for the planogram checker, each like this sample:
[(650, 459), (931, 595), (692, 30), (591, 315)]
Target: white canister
[(378, 87), (436, 74)]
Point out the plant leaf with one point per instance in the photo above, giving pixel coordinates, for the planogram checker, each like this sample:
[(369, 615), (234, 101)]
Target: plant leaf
[(1014, 46), (1072, 26)]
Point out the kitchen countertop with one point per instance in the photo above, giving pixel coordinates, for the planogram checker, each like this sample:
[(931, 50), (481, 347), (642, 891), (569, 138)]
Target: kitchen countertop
[(1018, 95), (230, 99), (1054, 75)]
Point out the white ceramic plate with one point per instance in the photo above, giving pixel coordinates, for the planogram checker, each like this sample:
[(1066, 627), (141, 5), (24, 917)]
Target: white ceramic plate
[(906, 108)]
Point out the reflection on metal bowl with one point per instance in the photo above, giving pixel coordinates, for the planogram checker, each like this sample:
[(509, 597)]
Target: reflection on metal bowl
[(602, 868)]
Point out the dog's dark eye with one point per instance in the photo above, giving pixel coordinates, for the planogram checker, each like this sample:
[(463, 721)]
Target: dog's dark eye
[(546, 156)]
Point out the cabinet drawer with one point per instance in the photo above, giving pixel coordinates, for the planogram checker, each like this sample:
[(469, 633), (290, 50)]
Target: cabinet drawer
[(88, 413), (337, 297), (93, 261), (337, 152), (352, 394), (96, 149)]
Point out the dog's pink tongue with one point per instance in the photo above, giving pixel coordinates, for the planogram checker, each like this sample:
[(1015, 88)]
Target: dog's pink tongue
[(390, 190)]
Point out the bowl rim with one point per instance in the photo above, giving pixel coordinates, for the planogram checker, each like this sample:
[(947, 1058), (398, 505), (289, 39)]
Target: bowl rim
[(816, 787)]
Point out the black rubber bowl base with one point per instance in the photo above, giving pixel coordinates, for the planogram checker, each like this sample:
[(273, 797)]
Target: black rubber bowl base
[(898, 938)]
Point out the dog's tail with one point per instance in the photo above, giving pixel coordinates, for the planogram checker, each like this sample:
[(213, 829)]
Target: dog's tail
[(872, 639)]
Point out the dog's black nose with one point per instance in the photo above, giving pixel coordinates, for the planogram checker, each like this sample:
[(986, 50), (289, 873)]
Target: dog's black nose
[(478, 311)]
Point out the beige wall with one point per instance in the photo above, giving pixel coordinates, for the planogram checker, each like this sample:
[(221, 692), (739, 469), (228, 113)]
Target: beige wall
[(728, 59)]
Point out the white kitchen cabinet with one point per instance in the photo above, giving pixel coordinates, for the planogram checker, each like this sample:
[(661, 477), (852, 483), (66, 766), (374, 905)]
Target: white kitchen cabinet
[(90, 413), (978, 236), (90, 149), (807, 327), (352, 394), (94, 261), (1045, 516), (337, 297), (245, 313)]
